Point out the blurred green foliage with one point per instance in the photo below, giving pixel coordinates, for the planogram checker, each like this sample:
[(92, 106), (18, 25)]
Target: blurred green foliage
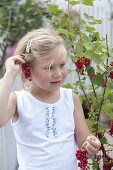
[(16, 18)]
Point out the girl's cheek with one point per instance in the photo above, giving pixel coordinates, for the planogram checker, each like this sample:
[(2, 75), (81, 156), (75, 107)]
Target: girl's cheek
[(65, 73)]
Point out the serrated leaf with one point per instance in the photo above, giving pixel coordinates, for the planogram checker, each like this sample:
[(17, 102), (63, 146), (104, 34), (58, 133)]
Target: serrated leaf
[(110, 84), (98, 79), (89, 17), (68, 86), (88, 2), (95, 165), (79, 48), (95, 22), (74, 2), (90, 29), (90, 70), (110, 97), (96, 57), (103, 140), (70, 71), (63, 31), (54, 9), (86, 42)]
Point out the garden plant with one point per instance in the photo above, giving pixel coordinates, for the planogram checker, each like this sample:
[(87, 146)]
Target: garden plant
[(92, 57)]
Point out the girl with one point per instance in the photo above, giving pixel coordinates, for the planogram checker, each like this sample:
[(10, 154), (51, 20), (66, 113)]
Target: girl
[(48, 120)]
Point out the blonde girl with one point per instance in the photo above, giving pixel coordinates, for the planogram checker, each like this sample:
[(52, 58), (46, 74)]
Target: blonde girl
[(47, 119)]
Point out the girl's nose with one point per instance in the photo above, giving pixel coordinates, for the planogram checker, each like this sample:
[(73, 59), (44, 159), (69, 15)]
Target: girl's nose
[(57, 73)]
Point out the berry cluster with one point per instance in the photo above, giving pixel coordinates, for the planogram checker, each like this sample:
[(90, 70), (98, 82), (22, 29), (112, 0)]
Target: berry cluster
[(109, 76), (81, 155), (111, 73), (111, 128), (81, 62), (26, 71), (104, 85), (108, 166)]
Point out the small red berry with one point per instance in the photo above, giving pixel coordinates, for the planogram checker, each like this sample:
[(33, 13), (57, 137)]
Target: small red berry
[(111, 128), (111, 75), (87, 62), (111, 64), (79, 64), (104, 84)]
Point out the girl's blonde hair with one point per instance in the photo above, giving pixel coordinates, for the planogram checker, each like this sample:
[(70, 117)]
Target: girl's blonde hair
[(40, 43), (43, 41)]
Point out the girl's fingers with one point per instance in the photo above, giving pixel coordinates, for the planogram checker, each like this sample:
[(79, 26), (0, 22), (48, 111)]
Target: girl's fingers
[(94, 141), (18, 59), (14, 63), (91, 150)]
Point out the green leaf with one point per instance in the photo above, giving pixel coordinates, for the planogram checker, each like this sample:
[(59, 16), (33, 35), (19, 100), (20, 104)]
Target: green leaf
[(89, 17), (96, 57), (86, 42), (95, 165), (63, 31), (74, 2), (54, 9), (96, 22), (88, 2), (90, 70), (90, 29), (110, 84), (103, 140), (98, 79), (79, 48), (70, 71), (64, 21), (110, 97), (68, 86)]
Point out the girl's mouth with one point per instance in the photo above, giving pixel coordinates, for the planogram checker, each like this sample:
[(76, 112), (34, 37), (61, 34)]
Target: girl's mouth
[(56, 82)]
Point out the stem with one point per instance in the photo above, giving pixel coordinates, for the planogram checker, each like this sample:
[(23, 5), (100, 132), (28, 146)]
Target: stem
[(101, 105), (94, 90), (82, 88), (103, 95), (103, 150)]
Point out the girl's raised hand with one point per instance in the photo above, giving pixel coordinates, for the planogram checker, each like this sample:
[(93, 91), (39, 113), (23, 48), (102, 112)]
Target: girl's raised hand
[(13, 64)]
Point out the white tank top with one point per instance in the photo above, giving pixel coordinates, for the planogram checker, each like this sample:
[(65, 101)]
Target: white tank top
[(45, 132)]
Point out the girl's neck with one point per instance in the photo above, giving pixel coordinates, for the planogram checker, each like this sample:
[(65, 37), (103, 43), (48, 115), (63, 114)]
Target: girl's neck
[(44, 95)]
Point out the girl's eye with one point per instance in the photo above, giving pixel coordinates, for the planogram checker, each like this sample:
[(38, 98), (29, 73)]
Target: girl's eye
[(62, 65), (48, 68)]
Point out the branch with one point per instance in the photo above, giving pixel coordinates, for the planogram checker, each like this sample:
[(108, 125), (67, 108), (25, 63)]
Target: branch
[(103, 95)]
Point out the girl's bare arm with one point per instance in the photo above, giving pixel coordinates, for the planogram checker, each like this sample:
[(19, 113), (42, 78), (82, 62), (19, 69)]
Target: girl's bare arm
[(82, 134), (8, 99), (81, 128)]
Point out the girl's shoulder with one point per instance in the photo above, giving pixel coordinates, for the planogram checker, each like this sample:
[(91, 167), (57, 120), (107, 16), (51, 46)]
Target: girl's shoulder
[(69, 91)]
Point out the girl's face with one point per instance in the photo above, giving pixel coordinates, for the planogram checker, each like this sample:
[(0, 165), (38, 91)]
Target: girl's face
[(49, 74)]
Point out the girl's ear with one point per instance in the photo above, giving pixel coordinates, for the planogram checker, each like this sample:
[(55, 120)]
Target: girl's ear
[(26, 71)]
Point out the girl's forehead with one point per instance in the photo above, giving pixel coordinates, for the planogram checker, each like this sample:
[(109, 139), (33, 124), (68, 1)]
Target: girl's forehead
[(52, 59)]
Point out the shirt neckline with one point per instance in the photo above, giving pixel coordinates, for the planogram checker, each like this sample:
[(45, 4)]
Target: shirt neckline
[(34, 99)]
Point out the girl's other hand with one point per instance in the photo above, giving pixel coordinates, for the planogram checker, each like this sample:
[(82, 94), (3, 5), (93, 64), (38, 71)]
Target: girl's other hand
[(92, 145), (13, 64)]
